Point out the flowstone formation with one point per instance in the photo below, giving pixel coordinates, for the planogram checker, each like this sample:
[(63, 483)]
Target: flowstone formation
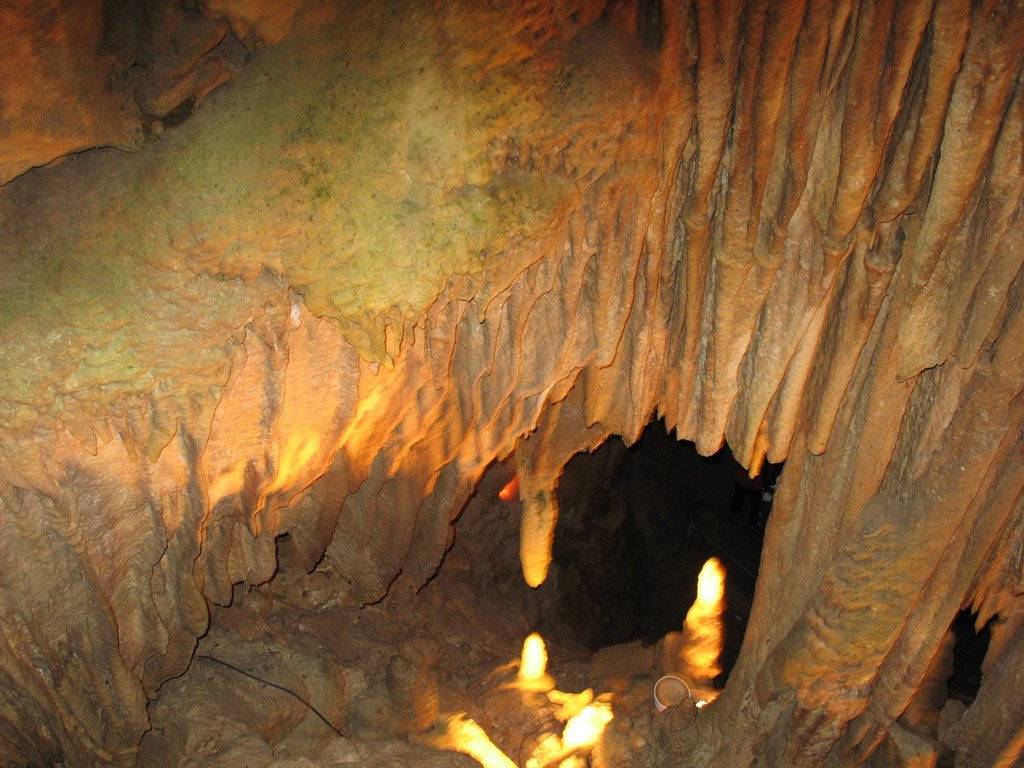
[(405, 240)]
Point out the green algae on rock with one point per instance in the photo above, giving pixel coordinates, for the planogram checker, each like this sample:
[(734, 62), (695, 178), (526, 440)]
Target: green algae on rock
[(355, 164)]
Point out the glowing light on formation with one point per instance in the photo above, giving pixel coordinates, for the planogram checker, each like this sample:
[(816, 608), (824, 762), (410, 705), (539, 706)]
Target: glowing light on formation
[(585, 720), (586, 728), (580, 734), (511, 490), (533, 665), (466, 736), (535, 658), (292, 464), (537, 535), (711, 584), (702, 630)]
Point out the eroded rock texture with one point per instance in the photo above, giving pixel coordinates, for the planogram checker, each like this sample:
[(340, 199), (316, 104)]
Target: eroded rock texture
[(55, 95), (410, 239)]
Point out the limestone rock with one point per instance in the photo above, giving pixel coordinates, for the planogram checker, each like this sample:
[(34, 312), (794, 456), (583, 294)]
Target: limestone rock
[(904, 749), (57, 95), (622, 661), (398, 244)]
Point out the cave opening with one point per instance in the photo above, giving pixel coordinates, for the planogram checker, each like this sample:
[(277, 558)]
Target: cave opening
[(636, 525), (970, 645)]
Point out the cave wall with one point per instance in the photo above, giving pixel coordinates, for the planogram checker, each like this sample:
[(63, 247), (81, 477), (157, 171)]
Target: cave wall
[(325, 307)]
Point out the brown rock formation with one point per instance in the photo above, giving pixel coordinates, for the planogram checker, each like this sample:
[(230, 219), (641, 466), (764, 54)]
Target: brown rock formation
[(401, 245), (55, 99)]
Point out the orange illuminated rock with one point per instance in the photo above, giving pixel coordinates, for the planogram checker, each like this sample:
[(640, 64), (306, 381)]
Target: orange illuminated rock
[(401, 247)]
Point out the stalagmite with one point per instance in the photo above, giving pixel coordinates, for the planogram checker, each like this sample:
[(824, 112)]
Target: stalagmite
[(532, 675), (701, 648)]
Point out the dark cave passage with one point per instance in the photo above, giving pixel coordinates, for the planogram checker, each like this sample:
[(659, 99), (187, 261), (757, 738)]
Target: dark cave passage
[(637, 523), (969, 649)]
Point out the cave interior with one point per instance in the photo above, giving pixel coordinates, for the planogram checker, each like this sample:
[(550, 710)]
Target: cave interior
[(576, 383)]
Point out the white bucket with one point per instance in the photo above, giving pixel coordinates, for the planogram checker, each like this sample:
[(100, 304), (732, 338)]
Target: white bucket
[(669, 691)]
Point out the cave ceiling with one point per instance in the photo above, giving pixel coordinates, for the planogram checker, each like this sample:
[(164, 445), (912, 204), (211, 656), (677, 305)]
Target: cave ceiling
[(311, 268)]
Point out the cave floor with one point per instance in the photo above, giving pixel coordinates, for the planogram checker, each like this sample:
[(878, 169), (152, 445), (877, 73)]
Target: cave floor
[(392, 677)]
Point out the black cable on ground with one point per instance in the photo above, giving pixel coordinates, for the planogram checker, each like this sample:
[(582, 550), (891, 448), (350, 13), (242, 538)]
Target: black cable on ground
[(259, 679)]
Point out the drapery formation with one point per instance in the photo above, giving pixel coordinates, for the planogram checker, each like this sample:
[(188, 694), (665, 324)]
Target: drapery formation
[(323, 307)]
